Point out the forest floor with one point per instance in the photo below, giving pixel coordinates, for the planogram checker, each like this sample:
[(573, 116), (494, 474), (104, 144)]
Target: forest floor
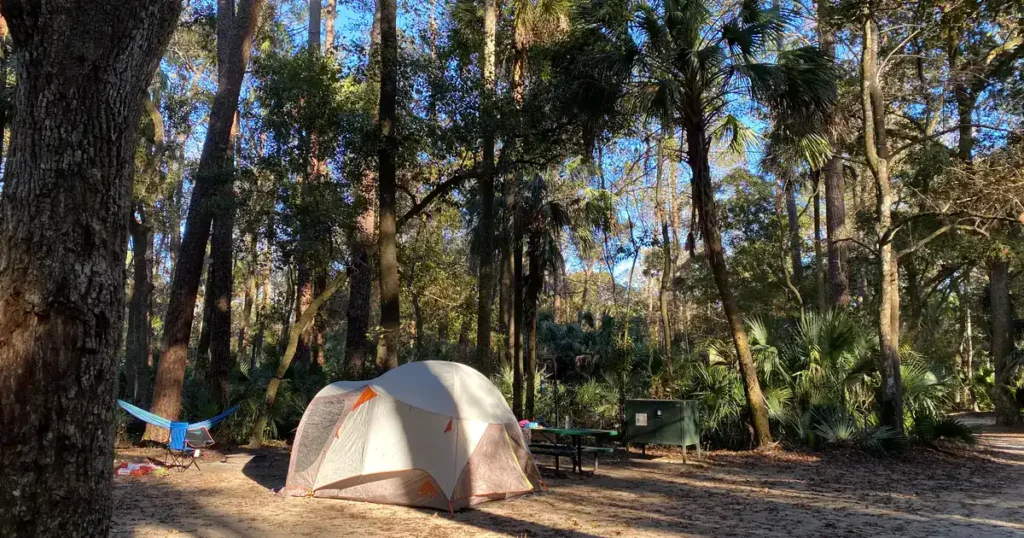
[(949, 491)]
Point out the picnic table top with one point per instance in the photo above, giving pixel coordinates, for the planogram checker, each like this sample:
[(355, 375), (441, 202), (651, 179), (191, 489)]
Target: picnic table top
[(578, 432)]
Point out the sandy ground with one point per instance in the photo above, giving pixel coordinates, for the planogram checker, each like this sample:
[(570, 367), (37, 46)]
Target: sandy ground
[(949, 492)]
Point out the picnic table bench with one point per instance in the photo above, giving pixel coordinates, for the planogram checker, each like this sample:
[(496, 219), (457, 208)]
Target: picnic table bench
[(548, 444)]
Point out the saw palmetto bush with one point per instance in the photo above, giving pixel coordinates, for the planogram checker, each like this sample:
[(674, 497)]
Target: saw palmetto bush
[(819, 383)]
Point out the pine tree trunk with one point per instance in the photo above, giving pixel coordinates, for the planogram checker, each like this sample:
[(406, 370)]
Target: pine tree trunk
[(245, 326), (234, 37), (358, 348), (835, 189), (486, 241), (707, 212), (819, 262), (307, 269), (174, 224), (517, 315), (202, 361), (82, 70), (390, 311), (534, 285), (796, 257), (508, 282), (1003, 392), (137, 346), (330, 15), (221, 289), (313, 29)]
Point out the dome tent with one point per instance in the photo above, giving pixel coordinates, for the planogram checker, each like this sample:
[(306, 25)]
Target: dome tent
[(432, 434)]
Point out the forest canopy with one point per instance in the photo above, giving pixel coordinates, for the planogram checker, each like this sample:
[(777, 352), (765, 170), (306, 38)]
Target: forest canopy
[(806, 216)]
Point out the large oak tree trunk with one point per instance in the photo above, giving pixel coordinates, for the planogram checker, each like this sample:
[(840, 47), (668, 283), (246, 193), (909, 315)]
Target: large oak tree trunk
[(707, 212), (82, 70), (234, 37), (390, 312), (485, 241)]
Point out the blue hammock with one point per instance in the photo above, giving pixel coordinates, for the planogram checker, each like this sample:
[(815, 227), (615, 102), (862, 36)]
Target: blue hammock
[(185, 438)]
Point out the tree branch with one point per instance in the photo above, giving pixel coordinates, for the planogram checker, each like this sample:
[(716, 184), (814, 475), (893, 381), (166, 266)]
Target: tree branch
[(943, 132), (441, 189), (932, 236), (852, 240)]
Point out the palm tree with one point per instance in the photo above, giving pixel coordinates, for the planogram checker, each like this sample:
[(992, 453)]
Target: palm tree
[(540, 219), (692, 63), (546, 210)]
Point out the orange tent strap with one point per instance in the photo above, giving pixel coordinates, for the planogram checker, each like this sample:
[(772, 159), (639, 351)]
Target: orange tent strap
[(448, 428), (366, 396)]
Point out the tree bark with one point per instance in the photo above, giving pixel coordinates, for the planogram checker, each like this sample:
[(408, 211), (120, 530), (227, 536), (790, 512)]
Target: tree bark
[(5, 62), (1003, 392), (485, 241), (304, 296), (517, 315), (967, 345), (244, 327), (304, 321), (313, 29), (234, 37), (221, 290), (358, 348), (796, 257), (876, 150), (306, 268), (665, 289), (220, 287), (140, 330), (707, 212), (819, 265), (534, 284), (82, 70), (390, 312), (330, 15), (202, 361), (835, 189)]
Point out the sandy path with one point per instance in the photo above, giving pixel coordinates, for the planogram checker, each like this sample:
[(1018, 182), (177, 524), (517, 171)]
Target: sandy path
[(924, 493)]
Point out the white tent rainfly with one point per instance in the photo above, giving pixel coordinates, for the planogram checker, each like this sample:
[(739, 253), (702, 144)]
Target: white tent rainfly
[(432, 434)]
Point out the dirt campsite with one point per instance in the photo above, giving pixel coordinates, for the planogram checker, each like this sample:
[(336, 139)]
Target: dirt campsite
[(947, 490)]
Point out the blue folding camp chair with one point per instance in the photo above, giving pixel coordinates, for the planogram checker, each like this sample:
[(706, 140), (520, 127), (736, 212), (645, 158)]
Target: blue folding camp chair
[(186, 439)]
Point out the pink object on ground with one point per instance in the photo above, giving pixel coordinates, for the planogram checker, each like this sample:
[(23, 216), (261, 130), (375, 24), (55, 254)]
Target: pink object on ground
[(134, 469)]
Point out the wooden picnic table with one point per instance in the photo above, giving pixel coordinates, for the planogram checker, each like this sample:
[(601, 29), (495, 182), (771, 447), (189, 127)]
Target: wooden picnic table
[(576, 436)]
